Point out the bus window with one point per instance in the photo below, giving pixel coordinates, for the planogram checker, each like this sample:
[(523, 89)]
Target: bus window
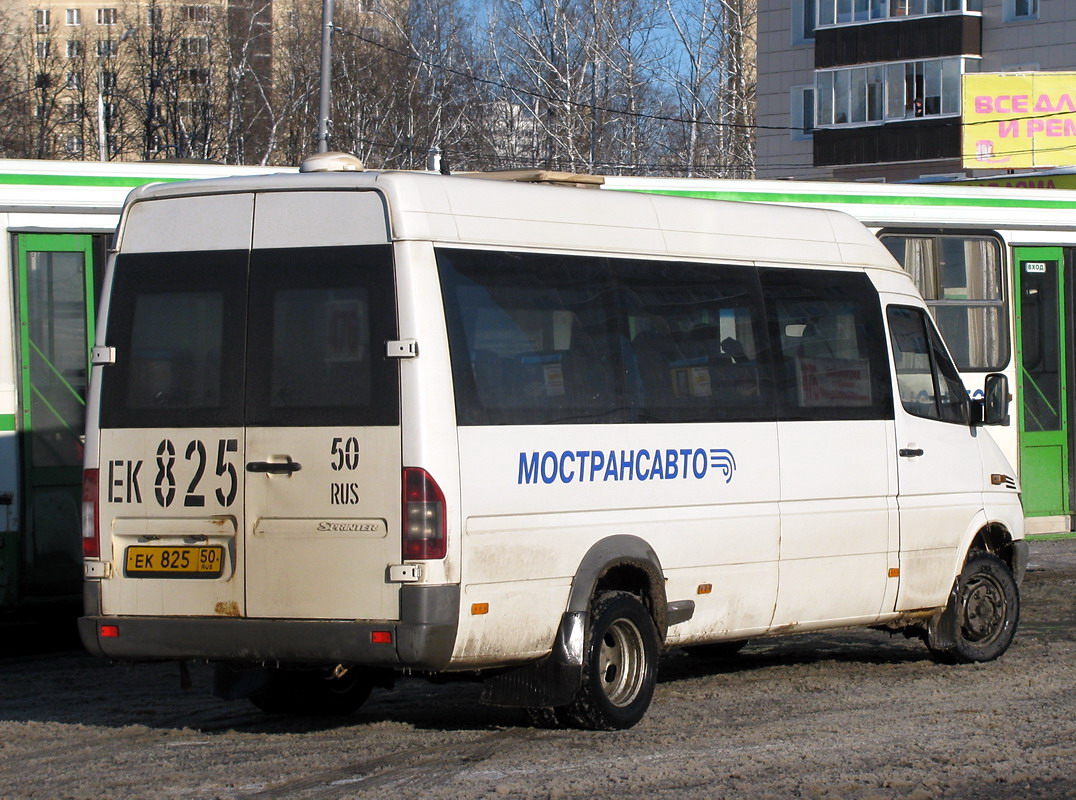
[(960, 278), (539, 339), (831, 361), (697, 339), (534, 339), (927, 381)]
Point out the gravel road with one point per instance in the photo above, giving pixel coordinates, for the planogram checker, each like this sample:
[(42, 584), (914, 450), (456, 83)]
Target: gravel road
[(851, 714)]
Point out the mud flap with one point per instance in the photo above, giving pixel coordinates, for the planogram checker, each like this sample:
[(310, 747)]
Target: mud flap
[(941, 630), (553, 681)]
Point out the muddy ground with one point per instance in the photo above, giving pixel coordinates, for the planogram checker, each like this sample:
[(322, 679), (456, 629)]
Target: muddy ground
[(852, 714)]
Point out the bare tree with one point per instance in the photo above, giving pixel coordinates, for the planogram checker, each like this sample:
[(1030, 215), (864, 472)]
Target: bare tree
[(713, 85)]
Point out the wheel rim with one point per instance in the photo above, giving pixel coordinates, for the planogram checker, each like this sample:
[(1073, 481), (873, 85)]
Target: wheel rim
[(622, 663), (984, 609)]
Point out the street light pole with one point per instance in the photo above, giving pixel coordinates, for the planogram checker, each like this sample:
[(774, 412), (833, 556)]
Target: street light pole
[(102, 130), (327, 8)]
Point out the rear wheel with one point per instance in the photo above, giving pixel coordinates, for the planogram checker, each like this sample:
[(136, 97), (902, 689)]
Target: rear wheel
[(987, 609), (619, 666), (313, 691)]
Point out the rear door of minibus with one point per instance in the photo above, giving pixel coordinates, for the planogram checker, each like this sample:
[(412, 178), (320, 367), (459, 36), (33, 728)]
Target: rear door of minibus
[(323, 461), (250, 443)]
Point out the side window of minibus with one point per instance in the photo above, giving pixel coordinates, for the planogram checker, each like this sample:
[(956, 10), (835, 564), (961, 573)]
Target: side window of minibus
[(534, 338), (698, 341), (830, 358), (927, 381)]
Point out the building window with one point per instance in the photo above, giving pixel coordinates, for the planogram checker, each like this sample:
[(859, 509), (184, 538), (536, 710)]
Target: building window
[(72, 112), (1020, 10), (889, 92), (73, 145), (74, 80), (854, 12), (106, 16), (74, 16), (194, 45), (804, 19), (106, 47), (154, 16), (195, 13), (107, 80), (41, 20), (41, 49), (802, 112), (193, 77), (74, 48)]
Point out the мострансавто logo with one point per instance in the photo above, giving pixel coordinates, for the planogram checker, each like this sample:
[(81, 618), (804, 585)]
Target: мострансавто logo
[(594, 466)]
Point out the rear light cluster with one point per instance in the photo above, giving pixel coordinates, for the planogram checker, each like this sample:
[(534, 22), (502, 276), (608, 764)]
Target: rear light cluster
[(91, 528), (424, 531)]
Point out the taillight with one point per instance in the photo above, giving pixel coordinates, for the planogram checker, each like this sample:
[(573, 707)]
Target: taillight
[(423, 516), (91, 531)]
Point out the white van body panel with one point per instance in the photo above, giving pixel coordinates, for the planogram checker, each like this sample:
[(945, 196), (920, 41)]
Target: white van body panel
[(536, 499), (838, 518), (323, 219), (222, 222), (152, 494)]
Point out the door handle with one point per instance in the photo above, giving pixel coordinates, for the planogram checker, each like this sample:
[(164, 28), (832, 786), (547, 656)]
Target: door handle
[(275, 467), (905, 452)]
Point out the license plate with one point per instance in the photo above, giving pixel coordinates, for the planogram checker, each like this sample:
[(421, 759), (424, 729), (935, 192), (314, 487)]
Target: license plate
[(202, 561)]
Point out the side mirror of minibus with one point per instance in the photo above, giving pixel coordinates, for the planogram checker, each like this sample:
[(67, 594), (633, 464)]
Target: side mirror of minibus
[(993, 407)]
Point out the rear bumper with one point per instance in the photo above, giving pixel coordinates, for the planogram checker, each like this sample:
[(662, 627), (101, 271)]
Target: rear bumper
[(422, 639)]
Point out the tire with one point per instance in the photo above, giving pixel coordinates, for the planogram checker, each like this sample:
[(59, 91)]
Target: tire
[(313, 692), (716, 649), (986, 612), (619, 666)]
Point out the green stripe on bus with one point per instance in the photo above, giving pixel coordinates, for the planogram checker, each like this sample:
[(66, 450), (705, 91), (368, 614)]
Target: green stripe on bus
[(7, 422), (83, 180), (855, 199)]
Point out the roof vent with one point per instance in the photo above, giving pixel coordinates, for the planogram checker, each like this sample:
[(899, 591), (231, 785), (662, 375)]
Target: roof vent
[(332, 162)]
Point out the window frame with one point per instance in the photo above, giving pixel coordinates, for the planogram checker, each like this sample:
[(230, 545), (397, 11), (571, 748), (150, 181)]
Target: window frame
[(801, 131), (934, 295), (843, 13), (888, 92), (1012, 11), (620, 287), (938, 366)]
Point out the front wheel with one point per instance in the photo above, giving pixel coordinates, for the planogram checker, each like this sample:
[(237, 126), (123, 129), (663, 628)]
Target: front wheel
[(619, 666), (986, 608)]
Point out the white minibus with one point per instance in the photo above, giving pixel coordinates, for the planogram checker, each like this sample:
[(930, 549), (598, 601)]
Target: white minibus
[(345, 425)]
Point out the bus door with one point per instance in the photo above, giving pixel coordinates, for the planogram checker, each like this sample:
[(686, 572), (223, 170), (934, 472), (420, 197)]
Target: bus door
[(323, 449), (1041, 379), (55, 323)]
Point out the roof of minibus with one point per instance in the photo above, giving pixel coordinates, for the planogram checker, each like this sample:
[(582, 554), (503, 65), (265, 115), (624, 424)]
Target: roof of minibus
[(467, 210)]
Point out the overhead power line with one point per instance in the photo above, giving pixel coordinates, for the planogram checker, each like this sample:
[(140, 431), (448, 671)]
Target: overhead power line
[(640, 114)]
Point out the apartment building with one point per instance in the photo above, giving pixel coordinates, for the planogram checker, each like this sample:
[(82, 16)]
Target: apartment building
[(870, 89), (145, 79)]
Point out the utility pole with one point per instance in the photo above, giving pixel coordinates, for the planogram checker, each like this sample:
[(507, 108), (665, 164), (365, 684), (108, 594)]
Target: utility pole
[(327, 8)]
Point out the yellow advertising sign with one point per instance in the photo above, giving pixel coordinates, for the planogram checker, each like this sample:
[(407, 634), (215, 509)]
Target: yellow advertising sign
[(1019, 119)]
